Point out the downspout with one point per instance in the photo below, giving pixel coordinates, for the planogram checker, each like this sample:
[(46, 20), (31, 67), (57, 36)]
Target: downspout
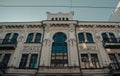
[(40, 49), (78, 51)]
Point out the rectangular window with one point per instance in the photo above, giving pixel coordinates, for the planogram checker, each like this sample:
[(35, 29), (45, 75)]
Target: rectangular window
[(6, 59), (85, 60), (95, 61), (33, 61), (23, 61), (90, 61)]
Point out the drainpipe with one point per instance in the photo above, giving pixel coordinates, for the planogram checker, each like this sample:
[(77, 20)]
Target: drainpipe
[(40, 48), (78, 51)]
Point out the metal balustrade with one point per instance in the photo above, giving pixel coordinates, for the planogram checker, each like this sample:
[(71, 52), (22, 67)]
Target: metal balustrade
[(114, 67), (8, 44), (111, 43)]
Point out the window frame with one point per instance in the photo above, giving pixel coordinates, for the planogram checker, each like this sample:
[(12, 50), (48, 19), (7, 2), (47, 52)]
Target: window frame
[(85, 38)]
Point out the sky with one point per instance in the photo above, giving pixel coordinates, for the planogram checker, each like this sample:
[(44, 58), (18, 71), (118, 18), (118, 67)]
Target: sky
[(26, 14)]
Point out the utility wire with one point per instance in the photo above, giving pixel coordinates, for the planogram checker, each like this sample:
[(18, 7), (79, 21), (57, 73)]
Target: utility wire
[(55, 6)]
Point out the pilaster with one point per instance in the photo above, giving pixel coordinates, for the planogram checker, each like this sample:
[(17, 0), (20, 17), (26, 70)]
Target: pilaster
[(73, 54)]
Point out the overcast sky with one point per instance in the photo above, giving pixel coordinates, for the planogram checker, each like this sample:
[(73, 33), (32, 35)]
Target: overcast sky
[(22, 14)]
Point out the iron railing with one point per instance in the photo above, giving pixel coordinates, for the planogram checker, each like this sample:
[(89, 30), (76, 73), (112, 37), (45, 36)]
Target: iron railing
[(114, 67), (8, 44), (111, 43), (111, 40)]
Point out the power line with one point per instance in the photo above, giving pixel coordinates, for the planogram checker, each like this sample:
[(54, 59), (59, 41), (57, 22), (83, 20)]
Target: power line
[(55, 6)]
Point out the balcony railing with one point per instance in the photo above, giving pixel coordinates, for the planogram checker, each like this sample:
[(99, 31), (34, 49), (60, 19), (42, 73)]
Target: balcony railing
[(114, 69), (111, 43), (8, 44)]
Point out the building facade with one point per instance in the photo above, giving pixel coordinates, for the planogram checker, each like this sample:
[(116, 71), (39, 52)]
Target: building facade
[(116, 14), (60, 46)]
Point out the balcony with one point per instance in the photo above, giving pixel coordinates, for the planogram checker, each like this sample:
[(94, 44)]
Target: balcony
[(111, 43), (8, 44)]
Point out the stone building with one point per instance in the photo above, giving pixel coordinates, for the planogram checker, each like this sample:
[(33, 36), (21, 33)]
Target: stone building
[(60, 46)]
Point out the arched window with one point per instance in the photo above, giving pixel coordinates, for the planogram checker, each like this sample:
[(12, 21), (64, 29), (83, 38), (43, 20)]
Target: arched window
[(89, 37), (67, 19), (59, 56), (60, 19), (85, 37), (63, 18), (56, 18), (113, 38), (59, 37), (38, 37), (52, 19), (81, 38), (30, 38), (14, 38), (109, 37), (6, 39)]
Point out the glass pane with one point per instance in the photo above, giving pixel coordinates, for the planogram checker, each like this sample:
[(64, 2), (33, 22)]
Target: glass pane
[(95, 61), (59, 47), (112, 58), (6, 59), (85, 60), (14, 38), (84, 57), (6, 39), (105, 37), (89, 37), (23, 61), (81, 38), (33, 61), (30, 38), (59, 37), (38, 38), (59, 50), (112, 37)]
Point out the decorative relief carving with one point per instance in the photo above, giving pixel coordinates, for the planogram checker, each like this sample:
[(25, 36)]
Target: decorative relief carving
[(72, 42), (91, 48), (31, 48)]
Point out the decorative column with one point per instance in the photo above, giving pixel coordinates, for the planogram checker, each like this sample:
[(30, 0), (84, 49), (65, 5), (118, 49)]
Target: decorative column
[(72, 53), (46, 51)]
